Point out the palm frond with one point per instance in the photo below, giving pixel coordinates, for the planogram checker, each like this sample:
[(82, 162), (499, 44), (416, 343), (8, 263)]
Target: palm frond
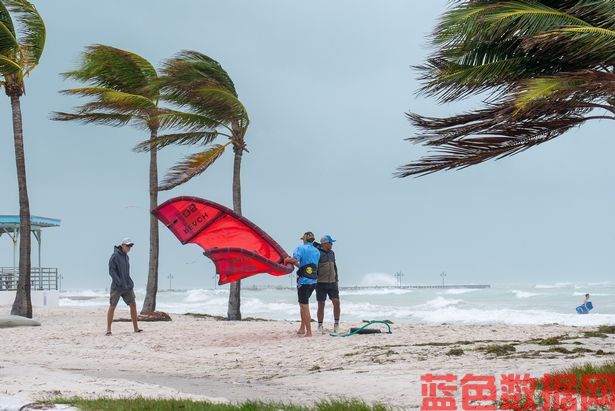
[(109, 119), (546, 64), (111, 98), (217, 103), (186, 120), (191, 138), (86, 91), (8, 66), (6, 19), (191, 167), (191, 69), (32, 32), (108, 67), (449, 81), (581, 86), (495, 137), (598, 13), (522, 19), (8, 42), (587, 45)]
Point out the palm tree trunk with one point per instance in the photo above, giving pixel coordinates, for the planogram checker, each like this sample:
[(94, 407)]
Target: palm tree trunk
[(234, 298), (149, 305), (23, 302)]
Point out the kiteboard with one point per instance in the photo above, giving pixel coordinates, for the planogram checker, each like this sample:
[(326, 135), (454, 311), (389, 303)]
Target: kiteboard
[(364, 329), (581, 309)]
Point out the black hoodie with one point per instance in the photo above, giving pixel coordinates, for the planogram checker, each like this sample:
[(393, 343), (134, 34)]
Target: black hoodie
[(119, 270)]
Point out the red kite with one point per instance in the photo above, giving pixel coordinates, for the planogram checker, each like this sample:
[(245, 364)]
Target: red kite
[(238, 248)]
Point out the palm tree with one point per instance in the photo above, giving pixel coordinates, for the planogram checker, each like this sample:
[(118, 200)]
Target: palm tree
[(198, 83), (21, 47), (123, 90), (546, 66)]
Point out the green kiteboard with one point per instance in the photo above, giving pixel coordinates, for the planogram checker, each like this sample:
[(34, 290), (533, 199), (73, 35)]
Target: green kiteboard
[(365, 330)]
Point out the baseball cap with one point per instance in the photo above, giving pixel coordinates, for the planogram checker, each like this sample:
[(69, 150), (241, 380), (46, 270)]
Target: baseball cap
[(127, 241), (308, 236), (326, 239)]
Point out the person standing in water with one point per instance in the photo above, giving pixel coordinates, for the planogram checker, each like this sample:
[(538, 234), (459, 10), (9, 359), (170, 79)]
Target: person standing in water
[(585, 302)]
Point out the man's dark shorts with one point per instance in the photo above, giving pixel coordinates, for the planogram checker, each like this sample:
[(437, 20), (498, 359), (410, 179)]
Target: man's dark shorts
[(127, 295), (324, 289), (305, 292)]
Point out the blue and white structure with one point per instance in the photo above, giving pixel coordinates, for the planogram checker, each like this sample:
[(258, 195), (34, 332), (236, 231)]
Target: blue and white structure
[(44, 280)]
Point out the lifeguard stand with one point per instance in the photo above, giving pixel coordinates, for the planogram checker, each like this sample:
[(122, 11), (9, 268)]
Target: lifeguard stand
[(42, 278)]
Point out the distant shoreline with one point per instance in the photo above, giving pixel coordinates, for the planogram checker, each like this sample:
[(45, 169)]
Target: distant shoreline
[(363, 287)]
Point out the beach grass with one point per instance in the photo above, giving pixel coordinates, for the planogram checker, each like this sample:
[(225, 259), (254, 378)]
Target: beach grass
[(587, 369), (150, 404), (607, 329), (498, 350)]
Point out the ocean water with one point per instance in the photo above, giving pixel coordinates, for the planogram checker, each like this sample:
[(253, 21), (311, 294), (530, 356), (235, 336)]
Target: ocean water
[(508, 304)]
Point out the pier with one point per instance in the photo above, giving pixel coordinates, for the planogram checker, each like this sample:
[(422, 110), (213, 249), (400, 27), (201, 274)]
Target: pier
[(381, 287), (468, 286)]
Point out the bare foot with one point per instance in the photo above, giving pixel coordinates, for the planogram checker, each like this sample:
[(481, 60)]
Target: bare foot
[(308, 335), (138, 330), (301, 332), (108, 333)]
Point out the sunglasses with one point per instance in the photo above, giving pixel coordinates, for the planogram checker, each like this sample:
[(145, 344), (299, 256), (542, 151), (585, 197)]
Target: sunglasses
[(129, 245)]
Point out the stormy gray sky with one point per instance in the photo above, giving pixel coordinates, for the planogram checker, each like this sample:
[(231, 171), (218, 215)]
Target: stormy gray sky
[(326, 84)]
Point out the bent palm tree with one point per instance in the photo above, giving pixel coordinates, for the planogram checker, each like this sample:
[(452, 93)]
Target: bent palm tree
[(547, 66), (21, 48), (200, 84), (123, 90)]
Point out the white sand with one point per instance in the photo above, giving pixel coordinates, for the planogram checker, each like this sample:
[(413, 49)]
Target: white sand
[(218, 360)]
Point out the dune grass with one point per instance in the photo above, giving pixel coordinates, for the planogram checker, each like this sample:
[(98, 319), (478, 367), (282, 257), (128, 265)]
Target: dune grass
[(140, 403)]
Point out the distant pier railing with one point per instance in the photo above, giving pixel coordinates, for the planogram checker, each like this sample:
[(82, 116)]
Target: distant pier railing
[(41, 278), (469, 286), (362, 287)]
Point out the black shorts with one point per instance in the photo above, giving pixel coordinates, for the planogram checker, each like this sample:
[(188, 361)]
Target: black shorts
[(127, 295), (304, 292), (324, 289)]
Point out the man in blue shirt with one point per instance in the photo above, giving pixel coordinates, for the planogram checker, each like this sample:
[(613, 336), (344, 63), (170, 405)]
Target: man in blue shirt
[(305, 257)]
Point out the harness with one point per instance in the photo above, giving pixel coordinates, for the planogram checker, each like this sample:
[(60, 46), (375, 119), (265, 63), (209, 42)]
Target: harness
[(308, 271)]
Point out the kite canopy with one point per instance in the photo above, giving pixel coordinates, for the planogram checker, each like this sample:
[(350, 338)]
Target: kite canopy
[(238, 248)]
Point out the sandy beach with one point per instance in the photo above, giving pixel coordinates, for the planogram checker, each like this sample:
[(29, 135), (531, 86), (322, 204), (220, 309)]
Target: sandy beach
[(265, 360)]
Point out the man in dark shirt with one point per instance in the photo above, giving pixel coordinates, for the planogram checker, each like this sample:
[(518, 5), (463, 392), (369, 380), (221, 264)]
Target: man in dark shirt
[(327, 283), (121, 285)]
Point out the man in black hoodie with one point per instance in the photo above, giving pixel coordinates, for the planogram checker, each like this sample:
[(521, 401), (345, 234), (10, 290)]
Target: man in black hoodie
[(122, 285)]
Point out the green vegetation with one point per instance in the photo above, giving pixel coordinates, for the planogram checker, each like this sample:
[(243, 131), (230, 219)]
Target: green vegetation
[(550, 341), (562, 350), (498, 350), (598, 334), (198, 84), (455, 351), (121, 89), (581, 349), (540, 68), (607, 329), (137, 404)]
